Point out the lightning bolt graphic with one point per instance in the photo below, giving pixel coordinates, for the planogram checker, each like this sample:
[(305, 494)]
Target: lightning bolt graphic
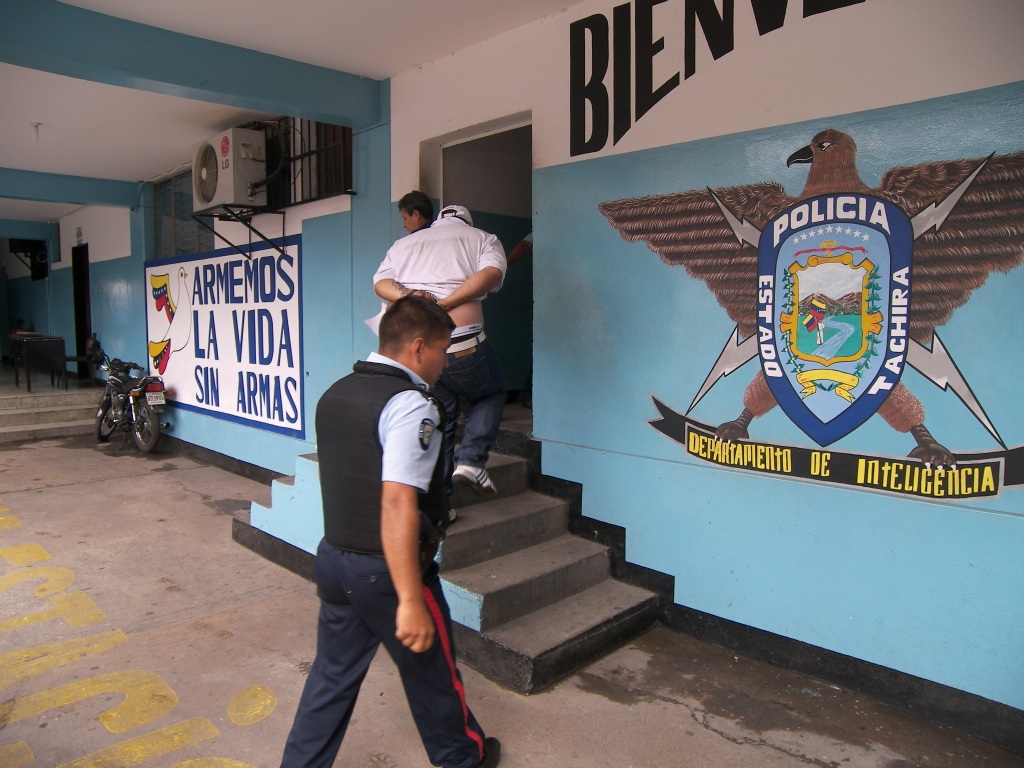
[(733, 356), (934, 215), (938, 367), (745, 231)]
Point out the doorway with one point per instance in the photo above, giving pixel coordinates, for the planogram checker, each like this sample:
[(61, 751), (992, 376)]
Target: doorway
[(83, 311), (492, 176)]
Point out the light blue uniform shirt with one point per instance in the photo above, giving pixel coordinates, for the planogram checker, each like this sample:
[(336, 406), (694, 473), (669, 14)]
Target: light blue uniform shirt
[(408, 433)]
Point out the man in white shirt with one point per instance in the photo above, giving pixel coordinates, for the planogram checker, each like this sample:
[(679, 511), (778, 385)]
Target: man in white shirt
[(457, 265)]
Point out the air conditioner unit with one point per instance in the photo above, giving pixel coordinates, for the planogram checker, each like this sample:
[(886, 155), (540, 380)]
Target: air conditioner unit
[(225, 166)]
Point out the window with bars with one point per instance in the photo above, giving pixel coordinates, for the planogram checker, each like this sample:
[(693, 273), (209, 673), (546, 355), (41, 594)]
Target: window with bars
[(176, 232), (306, 161)]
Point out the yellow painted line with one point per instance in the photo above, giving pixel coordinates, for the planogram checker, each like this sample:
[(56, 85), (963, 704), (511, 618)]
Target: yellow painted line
[(16, 755), (57, 579), (27, 662), (212, 762), (253, 704), (128, 753), (24, 554), (76, 608), (147, 698), (8, 521)]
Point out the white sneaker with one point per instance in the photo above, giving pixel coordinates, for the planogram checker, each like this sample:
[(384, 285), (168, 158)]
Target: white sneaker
[(476, 477)]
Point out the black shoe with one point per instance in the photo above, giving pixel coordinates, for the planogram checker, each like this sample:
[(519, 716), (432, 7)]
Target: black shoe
[(492, 752)]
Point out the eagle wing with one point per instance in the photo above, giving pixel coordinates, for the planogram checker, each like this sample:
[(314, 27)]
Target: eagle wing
[(688, 228), (983, 232)]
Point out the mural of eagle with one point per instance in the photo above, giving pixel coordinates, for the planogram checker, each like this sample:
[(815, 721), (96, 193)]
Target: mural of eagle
[(961, 241)]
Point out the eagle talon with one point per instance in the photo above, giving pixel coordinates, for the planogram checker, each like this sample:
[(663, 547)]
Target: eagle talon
[(736, 429), (929, 451)]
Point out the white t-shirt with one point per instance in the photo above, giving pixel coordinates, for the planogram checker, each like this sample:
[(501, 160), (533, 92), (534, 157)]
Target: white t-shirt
[(440, 258)]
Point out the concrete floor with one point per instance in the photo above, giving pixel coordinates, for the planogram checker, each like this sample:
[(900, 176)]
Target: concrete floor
[(142, 607)]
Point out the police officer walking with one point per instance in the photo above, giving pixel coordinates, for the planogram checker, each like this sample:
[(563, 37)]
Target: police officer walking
[(379, 440)]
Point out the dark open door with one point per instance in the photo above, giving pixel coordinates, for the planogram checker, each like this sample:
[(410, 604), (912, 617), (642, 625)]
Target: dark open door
[(493, 176), (83, 312)]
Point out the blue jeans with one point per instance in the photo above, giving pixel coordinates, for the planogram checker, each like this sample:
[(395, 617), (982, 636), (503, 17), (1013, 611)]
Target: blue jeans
[(477, 378)]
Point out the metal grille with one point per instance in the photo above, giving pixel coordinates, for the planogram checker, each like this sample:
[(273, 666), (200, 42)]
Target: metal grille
[(176, 232), (317, 164)]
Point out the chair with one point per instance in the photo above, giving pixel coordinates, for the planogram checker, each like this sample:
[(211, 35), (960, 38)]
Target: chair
[(93, 357)]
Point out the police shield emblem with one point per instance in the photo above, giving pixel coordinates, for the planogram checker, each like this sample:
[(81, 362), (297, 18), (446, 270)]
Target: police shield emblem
[(834, 299)]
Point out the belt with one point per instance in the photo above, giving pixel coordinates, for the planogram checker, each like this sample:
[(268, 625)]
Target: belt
[(466, 346)]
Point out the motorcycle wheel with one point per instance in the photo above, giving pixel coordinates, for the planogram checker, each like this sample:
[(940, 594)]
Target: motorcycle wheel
[(146, 429), (104, 422)]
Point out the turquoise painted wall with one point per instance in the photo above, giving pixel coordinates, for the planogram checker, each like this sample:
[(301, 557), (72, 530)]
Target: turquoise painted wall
[(27, 301), (509, 312), (62, 311), (928, 588), (118, 296)]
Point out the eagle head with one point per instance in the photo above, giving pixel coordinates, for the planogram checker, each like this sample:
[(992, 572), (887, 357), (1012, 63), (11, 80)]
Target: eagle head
[(831, 154)]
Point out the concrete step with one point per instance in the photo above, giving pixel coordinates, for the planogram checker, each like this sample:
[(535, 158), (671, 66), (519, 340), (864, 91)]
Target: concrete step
[(510, 477), (51, 399), (26, 433), (486, 531), (530, 603), (532, 652), (17, 417), (494, 592)]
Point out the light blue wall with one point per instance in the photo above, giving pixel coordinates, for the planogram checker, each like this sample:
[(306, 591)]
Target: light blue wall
[(509, 312), (117, 300), (27, 302), (38, 303), (931, 589)]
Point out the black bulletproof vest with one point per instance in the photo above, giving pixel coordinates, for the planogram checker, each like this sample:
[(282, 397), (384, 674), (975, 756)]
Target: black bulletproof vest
[(350, 457)]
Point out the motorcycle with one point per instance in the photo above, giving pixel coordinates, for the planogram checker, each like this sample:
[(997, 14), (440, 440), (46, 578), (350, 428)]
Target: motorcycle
[(130, 404)]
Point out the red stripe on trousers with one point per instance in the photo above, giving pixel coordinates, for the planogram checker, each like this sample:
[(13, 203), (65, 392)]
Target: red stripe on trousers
[(446, 646)]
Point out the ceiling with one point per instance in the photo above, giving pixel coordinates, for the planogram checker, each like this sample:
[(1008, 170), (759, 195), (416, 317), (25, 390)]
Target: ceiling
[(57, 124)]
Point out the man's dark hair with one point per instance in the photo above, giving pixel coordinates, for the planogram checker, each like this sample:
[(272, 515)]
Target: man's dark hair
[(412, 317), (414, 201)]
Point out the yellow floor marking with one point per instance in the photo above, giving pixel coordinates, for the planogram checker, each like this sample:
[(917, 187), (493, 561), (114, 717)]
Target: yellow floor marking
[(24, 554), (212, 762), (252, 705), (16, 755), (76, 608), (134, 751), (147, 698), (26, 662), (8, 521), (57, 579)]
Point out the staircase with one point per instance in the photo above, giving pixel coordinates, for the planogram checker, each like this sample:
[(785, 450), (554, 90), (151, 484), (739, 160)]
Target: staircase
[(42, 416), (531, 603)]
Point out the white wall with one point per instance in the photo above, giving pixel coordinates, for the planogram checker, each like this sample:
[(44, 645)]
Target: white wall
[(919, 49), (107, 232), (274, 226), (482, 86)]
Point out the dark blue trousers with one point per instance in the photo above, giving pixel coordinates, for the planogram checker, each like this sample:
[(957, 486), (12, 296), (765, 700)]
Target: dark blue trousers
[(357, 614)]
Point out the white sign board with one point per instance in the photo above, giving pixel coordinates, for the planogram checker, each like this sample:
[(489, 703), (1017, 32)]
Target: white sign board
[(225, 332)]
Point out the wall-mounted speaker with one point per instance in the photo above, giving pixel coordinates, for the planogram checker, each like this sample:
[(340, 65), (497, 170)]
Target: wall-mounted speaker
[(34, 253)]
